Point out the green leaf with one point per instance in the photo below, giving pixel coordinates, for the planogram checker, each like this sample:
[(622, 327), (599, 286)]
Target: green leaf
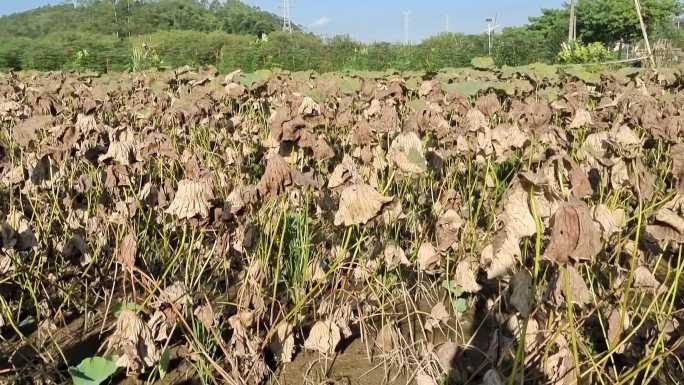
[(452, 288), (483, 62), (349, 85), (316, 95), (582, 74), (417, 104), (256, 78), (119, 306), (163, 364), (466, 88), (413, 83), (414, 156), (539, 72), (460, 305), (93, 370)]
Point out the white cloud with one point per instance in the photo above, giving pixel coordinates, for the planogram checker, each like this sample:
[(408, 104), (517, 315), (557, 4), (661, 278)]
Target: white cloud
[(321, 22)]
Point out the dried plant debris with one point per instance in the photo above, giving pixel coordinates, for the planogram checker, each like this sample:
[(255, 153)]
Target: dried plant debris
[(407, 153), (323, 337), (574, 234), (283, 343), (359, 203), (245, 225), (191, 199), (133, 342)]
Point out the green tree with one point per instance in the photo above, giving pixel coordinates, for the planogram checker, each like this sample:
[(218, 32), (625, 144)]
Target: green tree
[(521, 45), (610, 21)]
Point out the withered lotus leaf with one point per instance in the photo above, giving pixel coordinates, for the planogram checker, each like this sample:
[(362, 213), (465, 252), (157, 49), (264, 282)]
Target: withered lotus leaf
[(323, 337), (120, 152), (191, 199), (359, 203), (133, 342), (407, 153), (574, 235), (447, 229)]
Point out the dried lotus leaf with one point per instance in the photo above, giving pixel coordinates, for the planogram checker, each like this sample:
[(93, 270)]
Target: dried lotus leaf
[(323, 337), (359, 203), (407, 153), (191, 199)]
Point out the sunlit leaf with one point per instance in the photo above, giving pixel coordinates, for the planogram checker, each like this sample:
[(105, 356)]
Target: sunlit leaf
[(93, 370)]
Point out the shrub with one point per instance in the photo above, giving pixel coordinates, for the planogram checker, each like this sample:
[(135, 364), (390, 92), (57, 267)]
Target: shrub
[(579, 53)]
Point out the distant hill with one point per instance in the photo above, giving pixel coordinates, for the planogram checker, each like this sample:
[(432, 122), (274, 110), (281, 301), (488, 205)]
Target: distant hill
[(136, 17)]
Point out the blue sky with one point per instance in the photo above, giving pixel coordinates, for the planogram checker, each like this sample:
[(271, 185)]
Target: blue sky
[(370, 20)]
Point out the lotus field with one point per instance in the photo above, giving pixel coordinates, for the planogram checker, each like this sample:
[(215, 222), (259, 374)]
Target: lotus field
[(468, 226)]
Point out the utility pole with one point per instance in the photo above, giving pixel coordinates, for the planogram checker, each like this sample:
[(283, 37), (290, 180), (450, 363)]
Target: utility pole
[(637, 5), (407, 15), (491, 27), (572, 23), (287, 21)]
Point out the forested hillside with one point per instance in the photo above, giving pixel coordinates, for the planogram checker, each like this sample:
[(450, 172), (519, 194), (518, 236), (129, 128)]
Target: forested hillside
[(137, 17)]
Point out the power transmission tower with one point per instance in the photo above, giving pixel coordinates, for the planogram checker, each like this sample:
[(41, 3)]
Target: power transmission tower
[(446, 23), (572, 24), (287, 21), (407, 15)]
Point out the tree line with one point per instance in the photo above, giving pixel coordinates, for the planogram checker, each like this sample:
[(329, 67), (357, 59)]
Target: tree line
[(116, 35)]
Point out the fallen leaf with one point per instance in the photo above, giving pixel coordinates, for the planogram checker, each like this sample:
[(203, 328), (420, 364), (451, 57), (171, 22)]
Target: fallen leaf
[(205, 314), (283, 343), (406, 151), (610, 221), (122, 152), (309, 107), (429, 259), (574, 234), (616, 328), (446, 355), (128, 249), (521, 293), (323, 337), (191, 199), (359, 203), (668, 226), (466, 278), (517, 217), (581, 187), (387, 339), (423, 378), (581, 119), (447, 229), (677, 153), (578, 291), (133, 342), (476, 120), (395, 256), (175, 294), (564, 236), (500, 256), (644, 279), (26, 131), (438, 314)]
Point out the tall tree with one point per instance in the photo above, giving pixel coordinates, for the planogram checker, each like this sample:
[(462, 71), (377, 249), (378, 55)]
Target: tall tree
[(610, 21)]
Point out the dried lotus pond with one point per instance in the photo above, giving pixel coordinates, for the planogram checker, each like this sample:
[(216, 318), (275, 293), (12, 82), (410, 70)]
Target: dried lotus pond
[(458, 227)]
